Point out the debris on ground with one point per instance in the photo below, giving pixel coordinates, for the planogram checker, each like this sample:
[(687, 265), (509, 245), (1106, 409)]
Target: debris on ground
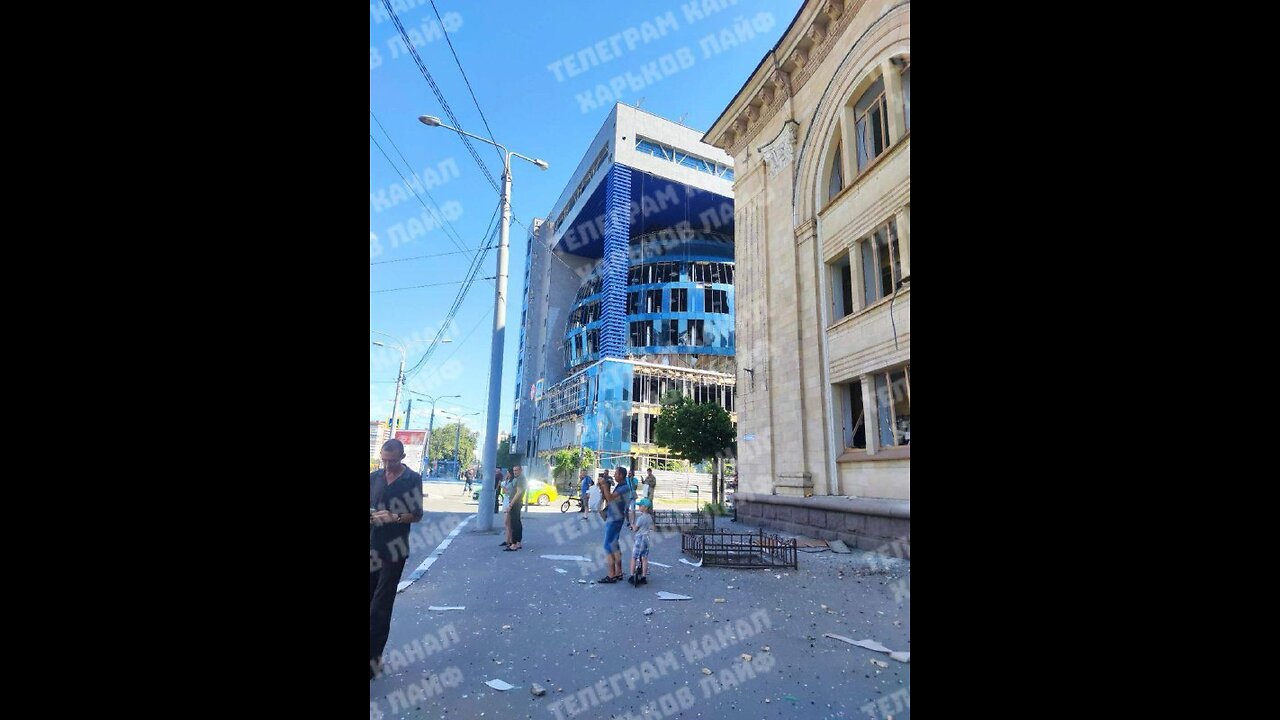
[(497, 684)]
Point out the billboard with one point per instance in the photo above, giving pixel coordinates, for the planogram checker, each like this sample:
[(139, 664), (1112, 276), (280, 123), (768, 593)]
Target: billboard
[(414, 443)]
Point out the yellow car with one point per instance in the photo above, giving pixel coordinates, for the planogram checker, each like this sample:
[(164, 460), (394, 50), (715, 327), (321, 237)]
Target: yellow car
[(540, 493), (537, 493)]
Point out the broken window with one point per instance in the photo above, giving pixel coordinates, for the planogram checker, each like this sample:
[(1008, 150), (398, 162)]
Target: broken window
[(841, 288), (881, 263), (641, 334), (835, 182), (871, 124), (633, 303), (593, 341), (635, 427), (668, 332), (906, 96), (893, 406), (679, 300), (855, 426), (694, 334), (653, 301), (715, 301)]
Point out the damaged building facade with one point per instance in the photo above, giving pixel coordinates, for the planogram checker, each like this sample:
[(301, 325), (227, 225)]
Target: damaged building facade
[(629, 294), (820, 136)]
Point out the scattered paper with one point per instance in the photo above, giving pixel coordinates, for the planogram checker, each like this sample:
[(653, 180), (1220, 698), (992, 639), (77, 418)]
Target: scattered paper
[(697, 564), (765, 648), (538, 690), (664, 595), (879, 663), (506, 627), (838, 546), (868, 644), (720, 600), (746, 657), (497, 684), (901, 656), (449, 607), (582, 582), (569, 558), (562, 571), (652, 562), (706, 671), (648, 611)]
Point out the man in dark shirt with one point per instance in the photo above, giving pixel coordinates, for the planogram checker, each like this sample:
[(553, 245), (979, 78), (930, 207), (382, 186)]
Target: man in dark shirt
[(395, 502)]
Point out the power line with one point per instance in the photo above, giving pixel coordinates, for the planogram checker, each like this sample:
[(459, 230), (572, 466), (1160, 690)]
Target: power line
[(467, 81), (423, 257), (415, 287), (436, 89), (457, 304), (441, 223)]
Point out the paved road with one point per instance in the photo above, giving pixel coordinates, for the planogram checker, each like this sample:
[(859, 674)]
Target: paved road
[(599, 656)]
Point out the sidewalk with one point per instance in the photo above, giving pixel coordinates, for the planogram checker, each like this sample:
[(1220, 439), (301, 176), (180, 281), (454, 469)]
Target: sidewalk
[(595, 651)]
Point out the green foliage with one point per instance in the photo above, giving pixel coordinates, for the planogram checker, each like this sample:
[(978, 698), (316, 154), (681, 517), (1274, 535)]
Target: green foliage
[(693, 431)]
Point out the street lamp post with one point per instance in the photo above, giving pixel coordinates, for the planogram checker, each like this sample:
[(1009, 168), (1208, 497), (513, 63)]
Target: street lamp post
[(457, 437), (395, 404), (432, 425), (484, 517)]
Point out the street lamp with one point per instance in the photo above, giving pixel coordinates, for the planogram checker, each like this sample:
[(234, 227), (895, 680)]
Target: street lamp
[(431, 426), (457, 436), (395, 404), (484, 520)]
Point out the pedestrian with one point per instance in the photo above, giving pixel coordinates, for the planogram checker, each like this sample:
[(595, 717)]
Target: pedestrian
[(651, 486), (593, 499), (516, 528), (395, 502), (586, 489), (497, 488), (466, 478), (618, 501), (640, 551), (508, 487), (633, 485)]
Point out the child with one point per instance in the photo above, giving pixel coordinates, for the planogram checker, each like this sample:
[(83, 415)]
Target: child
[(640, 552)]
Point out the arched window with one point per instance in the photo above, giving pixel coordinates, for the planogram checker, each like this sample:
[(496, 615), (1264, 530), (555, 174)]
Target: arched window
[(835, 182)]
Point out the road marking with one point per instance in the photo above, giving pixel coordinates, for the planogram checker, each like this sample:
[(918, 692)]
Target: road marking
[(435, 555)]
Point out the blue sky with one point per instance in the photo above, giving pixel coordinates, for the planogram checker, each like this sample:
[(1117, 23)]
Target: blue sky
[(538, 104)]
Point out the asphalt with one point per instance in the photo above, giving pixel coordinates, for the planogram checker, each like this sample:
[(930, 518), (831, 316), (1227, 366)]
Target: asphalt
[(596, 653)]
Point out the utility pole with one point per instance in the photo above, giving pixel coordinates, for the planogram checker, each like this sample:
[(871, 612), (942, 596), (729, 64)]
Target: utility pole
[(484, 516)]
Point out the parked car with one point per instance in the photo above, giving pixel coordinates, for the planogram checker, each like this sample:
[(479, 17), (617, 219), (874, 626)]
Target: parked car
[(538, 492), (541, 493)]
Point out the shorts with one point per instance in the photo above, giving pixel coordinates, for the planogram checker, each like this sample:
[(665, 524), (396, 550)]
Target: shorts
[(612, 529), (641, 549)]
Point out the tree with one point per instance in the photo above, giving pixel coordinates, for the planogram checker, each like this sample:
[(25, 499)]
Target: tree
[(443, 438), (567, 462), (563, 463), (696, 432), (505, 458)]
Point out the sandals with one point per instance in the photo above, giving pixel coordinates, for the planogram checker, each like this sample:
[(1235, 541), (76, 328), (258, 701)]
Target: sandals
[(511, 549), (606, 580)]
